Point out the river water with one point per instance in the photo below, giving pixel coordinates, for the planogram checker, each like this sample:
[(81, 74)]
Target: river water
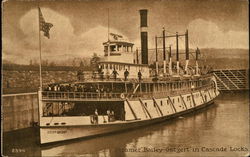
[(219, 130)]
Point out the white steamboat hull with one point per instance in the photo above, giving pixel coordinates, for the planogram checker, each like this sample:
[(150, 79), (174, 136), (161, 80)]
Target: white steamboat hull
[(50, 134)]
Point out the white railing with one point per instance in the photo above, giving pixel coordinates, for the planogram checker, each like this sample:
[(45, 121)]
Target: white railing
[(58, 95)]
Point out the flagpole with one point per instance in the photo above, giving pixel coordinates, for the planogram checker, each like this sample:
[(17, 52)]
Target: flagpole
[(40, 65), (108, 24)]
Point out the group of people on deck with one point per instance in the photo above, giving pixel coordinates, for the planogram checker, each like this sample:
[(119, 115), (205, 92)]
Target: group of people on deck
[(111, 117), (70, 88), (126, 74)]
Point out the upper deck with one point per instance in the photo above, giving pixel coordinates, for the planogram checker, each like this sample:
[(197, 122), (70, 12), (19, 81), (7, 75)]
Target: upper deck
[(119, 90)]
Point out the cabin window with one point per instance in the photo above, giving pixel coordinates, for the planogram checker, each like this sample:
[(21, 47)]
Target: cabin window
[(161, 103), (188, 98), (173, 101), (119, 48), (167, 101), (178, 100), (112, 48), (146, 104)]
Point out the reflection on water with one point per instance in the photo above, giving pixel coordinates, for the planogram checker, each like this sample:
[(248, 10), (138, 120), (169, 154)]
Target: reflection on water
[(221, 126)]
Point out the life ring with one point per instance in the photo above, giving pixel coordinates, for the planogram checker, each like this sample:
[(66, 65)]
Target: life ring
[(122, 96)]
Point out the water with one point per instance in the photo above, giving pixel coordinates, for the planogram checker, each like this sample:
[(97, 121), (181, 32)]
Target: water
[(209, 132)]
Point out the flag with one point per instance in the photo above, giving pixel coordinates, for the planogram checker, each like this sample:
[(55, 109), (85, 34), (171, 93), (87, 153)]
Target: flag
[(116, 36), (44, 26)]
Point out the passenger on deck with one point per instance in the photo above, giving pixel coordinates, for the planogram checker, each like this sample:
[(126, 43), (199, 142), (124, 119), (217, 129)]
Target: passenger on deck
[(139, 75), (109, 95), (101, 92), (108, 113), (126, 73), (55, 87), (115, 73), (49, 88), (96, 117), (112, 116)]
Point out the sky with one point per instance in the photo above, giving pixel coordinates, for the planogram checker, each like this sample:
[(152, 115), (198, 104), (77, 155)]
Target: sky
[(81, 26)]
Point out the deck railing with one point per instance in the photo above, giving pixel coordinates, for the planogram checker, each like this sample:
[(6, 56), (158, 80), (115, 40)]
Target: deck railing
[(77, 96)]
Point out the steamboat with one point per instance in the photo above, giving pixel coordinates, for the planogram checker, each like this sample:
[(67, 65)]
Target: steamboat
[(124, 94)]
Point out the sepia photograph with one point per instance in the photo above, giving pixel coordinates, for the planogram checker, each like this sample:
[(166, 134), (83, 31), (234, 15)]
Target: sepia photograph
[(125, 78)]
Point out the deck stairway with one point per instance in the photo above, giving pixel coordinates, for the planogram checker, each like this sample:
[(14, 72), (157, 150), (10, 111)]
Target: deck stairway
[(232, 79)]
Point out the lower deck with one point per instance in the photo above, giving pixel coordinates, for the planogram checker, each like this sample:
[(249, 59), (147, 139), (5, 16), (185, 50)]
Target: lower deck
[(107, 112), (144, 112)]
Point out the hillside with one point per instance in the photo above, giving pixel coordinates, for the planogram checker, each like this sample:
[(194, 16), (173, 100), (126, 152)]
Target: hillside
[(217, 58)]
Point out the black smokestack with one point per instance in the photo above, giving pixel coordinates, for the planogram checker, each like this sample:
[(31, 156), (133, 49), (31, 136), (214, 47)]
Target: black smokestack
[(144, 36)]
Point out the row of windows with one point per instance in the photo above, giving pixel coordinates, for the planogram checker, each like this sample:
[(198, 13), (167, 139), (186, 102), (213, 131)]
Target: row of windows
[(115, 66), (159, 87), (118, 48), (188, 98), (118, 67)]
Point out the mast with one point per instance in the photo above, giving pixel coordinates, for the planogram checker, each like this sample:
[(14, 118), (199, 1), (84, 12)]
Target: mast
[(187, 51), (156, 56), (108, 35), (177, 53), (196, 62), (164, 51), (170, 61), (108, 24)]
